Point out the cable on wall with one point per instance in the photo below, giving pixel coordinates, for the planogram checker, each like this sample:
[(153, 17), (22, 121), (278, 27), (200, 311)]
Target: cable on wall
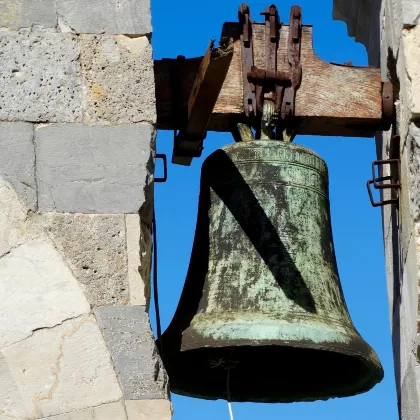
[(155, 281)]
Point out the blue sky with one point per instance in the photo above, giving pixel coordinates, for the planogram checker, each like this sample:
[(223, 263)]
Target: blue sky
[(185, 28)]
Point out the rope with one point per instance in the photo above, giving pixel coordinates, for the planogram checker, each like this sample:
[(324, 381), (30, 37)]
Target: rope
[(228, 394), (230, 411)]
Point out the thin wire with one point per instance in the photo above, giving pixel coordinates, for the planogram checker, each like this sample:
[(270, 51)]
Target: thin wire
[(228, 394), (155, 282)]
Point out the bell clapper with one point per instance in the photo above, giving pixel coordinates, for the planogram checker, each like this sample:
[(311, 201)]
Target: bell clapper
[(268, 125), (228, 365), (267, 121)]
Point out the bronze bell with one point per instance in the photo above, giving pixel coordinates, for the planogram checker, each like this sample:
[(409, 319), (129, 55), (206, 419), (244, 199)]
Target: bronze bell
[(262, 315)]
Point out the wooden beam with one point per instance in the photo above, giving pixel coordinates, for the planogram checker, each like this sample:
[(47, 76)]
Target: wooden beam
[(208, 83), (331, 100), (207, 86)]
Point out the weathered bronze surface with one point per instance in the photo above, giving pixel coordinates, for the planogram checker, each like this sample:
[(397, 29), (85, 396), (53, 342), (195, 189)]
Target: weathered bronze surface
[(262, 300)]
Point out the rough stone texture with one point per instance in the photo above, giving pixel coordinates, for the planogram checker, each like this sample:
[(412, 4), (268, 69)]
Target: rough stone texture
[(408, 308), (398, 47), (118, 79), (37, 290), (129, 338), (391, 27), (16, 14), (93, 169), (61, 77), (403, 101), (149, 410), (106, 16), (411, 43), (11, 402), (112, 411), (414, 152), (40, 79), (17, 160), (13, 218), (392, 262), (409, 399), (77, 140), (63, 369), (139, 252), (94, 246), (417, 238), (406, 226), (410, 12)]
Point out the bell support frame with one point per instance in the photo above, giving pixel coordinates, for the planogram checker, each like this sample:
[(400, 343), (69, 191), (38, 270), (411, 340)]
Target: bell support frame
[(332, 99)]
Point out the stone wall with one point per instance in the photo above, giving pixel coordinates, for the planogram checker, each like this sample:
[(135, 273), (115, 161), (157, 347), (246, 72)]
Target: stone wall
[(77, 141), (390, 30)]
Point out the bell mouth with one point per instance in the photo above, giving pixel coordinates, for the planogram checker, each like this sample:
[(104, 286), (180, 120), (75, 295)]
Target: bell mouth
[(274, 360), (284, 373)]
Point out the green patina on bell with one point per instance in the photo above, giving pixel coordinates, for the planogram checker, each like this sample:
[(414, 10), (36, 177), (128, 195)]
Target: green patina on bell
[(262, 304)]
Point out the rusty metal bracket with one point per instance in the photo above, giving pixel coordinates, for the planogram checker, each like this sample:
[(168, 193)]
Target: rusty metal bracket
[(247, 53), (165, 168), (294, 47), (387, 105), (268, 82), (268, 79), (379, 184)]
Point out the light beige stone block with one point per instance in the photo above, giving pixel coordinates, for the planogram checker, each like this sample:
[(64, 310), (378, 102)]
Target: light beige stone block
[(17, 160), (94, 168), (37, 290), (105, 16), (417, 238), (130, 341), (11, 403), (403, 103), (411, 43), (119, 84), (408, 308), (63, 369), (40, 77), (94, 246), (149, 410), (112, 411), (16, 14), (392, 26), (13, 218), (413, 181), (138, 258), (410, 12), (405, 207), (410, 408)]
